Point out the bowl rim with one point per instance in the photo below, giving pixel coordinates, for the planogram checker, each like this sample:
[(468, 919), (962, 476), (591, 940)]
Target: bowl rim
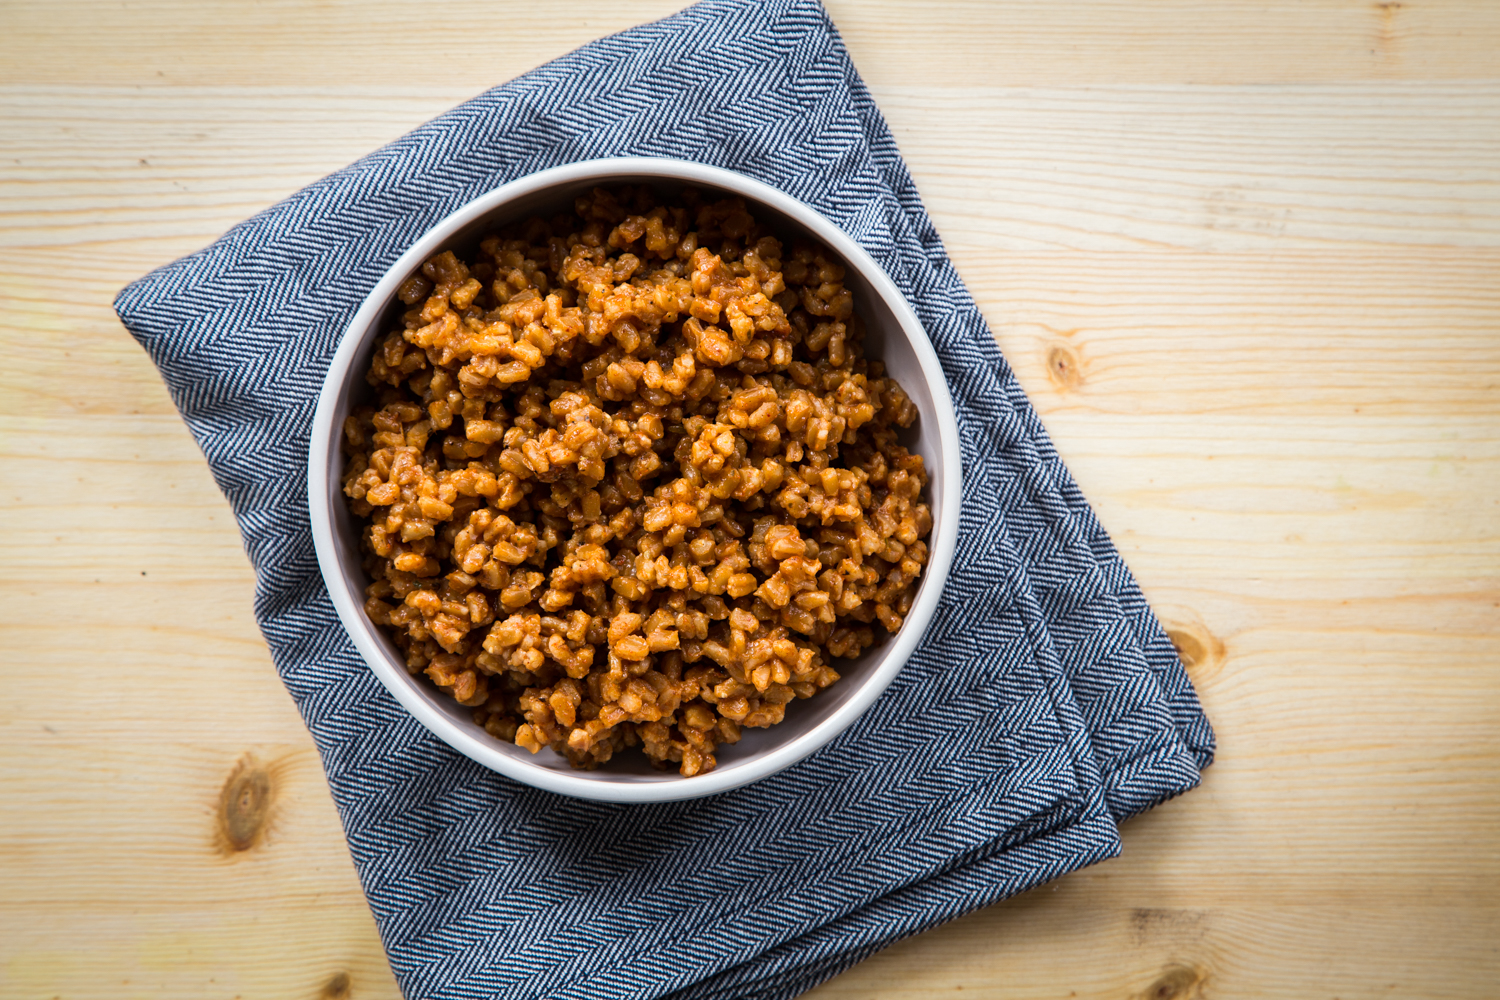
[(595, 785)]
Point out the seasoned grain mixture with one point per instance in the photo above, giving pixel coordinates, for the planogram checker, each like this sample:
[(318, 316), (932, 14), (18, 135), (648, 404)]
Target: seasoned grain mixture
[(631, 482)]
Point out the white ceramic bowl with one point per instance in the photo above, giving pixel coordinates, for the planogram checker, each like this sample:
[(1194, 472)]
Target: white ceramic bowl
[(894, 336)]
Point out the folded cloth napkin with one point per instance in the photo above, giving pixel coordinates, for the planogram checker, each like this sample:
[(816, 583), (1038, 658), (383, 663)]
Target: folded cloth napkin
[(1043, 705)]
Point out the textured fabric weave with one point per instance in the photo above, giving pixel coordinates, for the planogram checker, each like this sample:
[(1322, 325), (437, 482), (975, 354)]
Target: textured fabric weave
[(1043, 705)]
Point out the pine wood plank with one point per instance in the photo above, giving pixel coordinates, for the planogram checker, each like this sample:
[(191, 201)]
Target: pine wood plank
[(952, 42)]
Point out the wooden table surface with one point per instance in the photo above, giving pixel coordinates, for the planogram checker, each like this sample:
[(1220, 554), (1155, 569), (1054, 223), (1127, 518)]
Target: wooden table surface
[(1245, 256)]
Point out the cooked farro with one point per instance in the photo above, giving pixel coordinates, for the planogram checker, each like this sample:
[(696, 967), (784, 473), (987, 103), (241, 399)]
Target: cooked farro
[(629, 480)]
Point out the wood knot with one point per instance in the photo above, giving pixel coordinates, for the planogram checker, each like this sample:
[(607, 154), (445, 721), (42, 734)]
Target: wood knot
[(1201, 652), (244, 806), (1177, 982), (337, 988), (1388, 11), (1064, 367)]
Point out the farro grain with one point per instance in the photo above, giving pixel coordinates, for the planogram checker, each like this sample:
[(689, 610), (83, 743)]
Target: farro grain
[(629, 480)]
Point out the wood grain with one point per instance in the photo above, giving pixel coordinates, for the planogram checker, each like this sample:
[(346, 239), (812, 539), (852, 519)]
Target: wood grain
[(962, 42), (1243, 257)]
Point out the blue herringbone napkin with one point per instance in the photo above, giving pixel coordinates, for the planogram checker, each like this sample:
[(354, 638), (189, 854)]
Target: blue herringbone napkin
[(1043, 705)]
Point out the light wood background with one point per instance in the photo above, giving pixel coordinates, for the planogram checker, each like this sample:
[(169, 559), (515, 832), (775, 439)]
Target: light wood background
[(1244, 255)]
